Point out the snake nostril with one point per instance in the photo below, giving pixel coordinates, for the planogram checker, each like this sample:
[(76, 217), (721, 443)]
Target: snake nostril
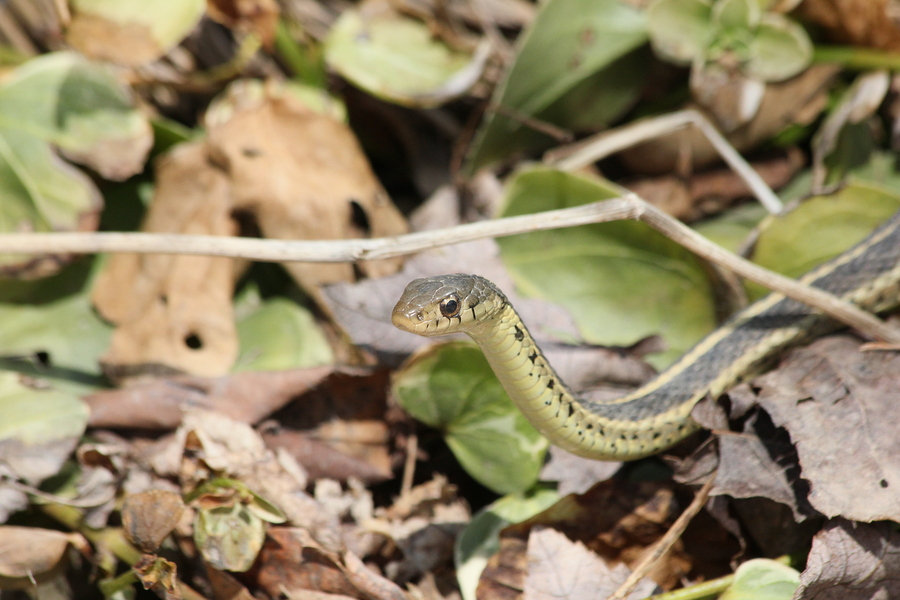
[(419, 316)]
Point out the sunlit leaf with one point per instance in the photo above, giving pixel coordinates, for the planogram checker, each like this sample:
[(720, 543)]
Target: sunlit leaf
[(559, 54), (281, 334), (451, 387), (762, 579), (621, 281)]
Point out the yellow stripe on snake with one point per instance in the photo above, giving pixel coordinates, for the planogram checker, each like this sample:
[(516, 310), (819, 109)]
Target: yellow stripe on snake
[(656, 415)]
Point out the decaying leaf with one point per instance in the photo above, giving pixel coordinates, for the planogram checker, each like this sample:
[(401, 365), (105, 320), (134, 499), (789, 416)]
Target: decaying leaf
[(859, 22), (852, 561), (616, 520), (424, 523), (292, 560), (175, 311), (839, 406), (296, 173), (258, 16), (30, 551), (131, 32), (248, 397), (559, 569), (148, 517)]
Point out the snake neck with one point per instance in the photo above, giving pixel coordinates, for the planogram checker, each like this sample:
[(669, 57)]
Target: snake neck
[(584, 428)]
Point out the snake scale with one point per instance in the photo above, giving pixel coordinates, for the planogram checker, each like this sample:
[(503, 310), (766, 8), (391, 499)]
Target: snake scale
[(656, 415)]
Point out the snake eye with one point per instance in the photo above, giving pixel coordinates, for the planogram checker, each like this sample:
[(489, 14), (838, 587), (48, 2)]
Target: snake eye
[(450, 306)]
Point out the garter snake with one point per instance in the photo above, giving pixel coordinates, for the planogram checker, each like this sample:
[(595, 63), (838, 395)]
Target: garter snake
[(656, 415)]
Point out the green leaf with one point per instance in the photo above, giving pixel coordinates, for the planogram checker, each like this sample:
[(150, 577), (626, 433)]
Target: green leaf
[(731, 228), (821, 228), (680, 30), (621, 281), (779, 50), (398, 59), (67, 330), (451, 387), (38, 427), (481, 538), (556, 55), (763, 579), (80, 107), (744, 14), (281, 334)]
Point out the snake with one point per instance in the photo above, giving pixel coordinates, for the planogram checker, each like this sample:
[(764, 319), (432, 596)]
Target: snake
[(656, 415)]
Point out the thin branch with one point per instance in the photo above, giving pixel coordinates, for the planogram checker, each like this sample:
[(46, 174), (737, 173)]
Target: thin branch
[(585, 152), (629, 206), (664, 544)]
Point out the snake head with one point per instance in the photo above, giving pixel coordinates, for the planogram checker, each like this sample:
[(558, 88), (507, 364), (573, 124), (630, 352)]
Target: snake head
[(447, 304)]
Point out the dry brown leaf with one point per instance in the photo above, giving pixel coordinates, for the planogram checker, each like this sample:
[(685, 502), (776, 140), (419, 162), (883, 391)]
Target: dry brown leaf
[(248, 397), (559, 569), (576, 474), (872, 23), (291, 561), (208, 443), (424, 523), (131, 44), (296, 173), (617, 520), (175, 310), (258, 16), (840, 407), (852, 561), (319, 459), (149, 517), (302, 175), (30, 551)]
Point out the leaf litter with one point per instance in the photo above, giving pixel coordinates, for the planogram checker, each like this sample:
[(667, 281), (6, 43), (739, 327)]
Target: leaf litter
[(284, 471)]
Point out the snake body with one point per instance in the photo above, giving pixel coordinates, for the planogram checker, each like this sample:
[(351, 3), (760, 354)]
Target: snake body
[(656, 415)]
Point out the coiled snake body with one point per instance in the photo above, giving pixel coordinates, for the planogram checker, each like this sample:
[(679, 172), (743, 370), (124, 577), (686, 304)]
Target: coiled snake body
[(656, 415)]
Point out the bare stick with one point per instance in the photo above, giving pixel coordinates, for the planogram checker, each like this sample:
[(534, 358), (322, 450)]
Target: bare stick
[(629, 206), (585, 152), (664, 544)]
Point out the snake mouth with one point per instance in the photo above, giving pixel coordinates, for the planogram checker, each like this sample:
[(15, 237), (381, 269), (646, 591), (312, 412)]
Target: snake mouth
[(409, 320)]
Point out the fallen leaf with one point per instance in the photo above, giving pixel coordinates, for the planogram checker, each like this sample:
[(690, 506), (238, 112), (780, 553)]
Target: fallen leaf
[(852, 561), (29, 551), (258, 16), (149, 517), (248, 397), (576, 474), (295, 173), (129, 32), (838, 405), (174, 310), (424, 523), (867, 23), (559, 569)]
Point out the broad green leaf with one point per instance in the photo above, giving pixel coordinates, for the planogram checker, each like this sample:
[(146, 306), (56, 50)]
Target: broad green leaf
[(131, 32), (481, 537), (399, 59), (680, 30), (68, 330), (281, 334), (38, 427), (620, 281), (821, 228), (779, 50), (569, 42), (80, 107), (451, 387), (763, 579), (731, 228)]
